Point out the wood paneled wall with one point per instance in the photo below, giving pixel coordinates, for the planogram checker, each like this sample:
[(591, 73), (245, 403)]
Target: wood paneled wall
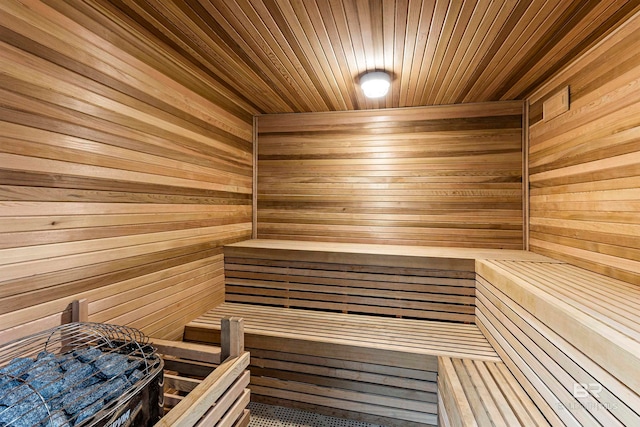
[(585, 163), (123, 170), (442, 176)]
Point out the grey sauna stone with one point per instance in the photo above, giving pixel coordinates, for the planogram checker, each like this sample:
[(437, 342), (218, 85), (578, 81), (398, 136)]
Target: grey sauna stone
[(67, 361), (28, 412), (17, 392), (117, 387), (111, 365), (87, 355), (78, 399), (136, 376), (17, 367), (57, 419), (88, 412), (77, 374), (48, 384)]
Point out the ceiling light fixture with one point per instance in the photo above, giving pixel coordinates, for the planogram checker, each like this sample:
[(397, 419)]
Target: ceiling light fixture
[(375, 84)]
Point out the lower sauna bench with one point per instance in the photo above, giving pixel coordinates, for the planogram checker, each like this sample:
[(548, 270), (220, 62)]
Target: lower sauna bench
[(480, 393), (369, 368)]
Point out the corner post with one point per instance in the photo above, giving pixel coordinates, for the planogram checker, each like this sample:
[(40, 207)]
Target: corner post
[(231, 337), (80, 310)]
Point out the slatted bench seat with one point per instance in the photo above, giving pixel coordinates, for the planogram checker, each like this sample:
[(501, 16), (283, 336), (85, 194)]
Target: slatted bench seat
[(571, 337), (388, 280), (371, 368), (484, 394)]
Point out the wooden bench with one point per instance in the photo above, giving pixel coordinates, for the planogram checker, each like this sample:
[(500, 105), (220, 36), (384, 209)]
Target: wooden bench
[(323, 329), (398, 281), (480, 393), (567, 337), (571, 338), (375, 369)]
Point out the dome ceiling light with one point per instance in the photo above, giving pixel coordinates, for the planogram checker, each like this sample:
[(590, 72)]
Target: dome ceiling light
[(375, 84)]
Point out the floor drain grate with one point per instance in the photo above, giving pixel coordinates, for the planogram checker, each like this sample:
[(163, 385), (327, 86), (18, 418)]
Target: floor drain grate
[(277, 416)]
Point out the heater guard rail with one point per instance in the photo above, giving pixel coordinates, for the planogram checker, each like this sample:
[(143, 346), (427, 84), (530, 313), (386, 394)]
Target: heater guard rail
[(221, 398)]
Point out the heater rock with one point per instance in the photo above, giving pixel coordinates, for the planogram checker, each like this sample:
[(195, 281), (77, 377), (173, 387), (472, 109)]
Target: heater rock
[(46, 379), (67, 361), (88, 412), (134, 365), (45, 355), (57, 419), (17, 367), (110, 365), (87, 355), (15, 393), (79, 375), (42, 366), (74, 401), (135, 376), (27, 412), (48, 383), (117, 386), (71, 365)]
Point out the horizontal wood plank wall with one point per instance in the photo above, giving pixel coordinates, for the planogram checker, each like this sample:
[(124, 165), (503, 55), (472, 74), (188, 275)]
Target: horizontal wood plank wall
[(120, 178), (585, 163), (441, 176)]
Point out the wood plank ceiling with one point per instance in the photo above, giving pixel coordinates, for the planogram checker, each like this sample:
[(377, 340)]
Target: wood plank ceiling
[(306, 55)]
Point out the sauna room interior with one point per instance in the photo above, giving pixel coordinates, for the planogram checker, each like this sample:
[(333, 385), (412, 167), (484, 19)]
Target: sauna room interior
[(462, 250)]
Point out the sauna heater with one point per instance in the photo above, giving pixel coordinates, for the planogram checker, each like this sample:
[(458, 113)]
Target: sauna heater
[(81, 374)]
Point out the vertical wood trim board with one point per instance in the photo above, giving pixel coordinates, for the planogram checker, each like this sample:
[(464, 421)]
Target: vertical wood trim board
[(440, 176), (585, 163), (254, 182), (526, 208), (119, 181)]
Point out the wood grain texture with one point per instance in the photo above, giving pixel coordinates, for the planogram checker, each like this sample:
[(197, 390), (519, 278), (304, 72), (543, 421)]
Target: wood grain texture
[(570, 336), (123, 170), (383, 280), (366, 365), (367, 283), (440, 176), (219, 396), (218, 400), (585, 164), (276, 56), (484, 394)]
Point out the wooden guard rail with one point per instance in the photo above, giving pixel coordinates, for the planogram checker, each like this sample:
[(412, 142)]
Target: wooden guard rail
[(205, 386), (221, 398)]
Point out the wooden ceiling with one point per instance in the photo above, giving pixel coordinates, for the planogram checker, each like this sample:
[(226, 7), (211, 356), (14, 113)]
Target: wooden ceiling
[(306, 55)]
